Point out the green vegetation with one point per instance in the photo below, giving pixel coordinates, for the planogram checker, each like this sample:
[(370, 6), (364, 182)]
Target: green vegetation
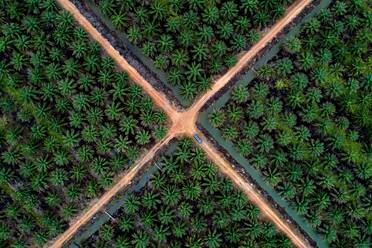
[(69, 121), (305, 122), (20, 223), (192, 40), (187, 204)]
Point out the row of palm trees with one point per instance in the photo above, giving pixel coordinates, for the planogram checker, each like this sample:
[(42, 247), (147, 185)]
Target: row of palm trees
[(11, 213), (187, 204), (69, 121), (192, 40), (305, 123)]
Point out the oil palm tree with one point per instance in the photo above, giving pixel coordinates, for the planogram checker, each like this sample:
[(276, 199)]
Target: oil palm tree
[(170, 195), (58, 177), (140, 239), (5, 231), (132, 204), (119, 20), (211, 14), (200, 52), (148, 219), (143, 137), (149, 200), (194, 71), (160, 234), (6, 176), (216, 117)]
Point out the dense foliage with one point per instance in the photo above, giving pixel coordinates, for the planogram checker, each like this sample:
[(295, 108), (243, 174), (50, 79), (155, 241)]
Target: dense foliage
[(188, 204), (192, 39), (305, 122), (69, 120), (19, 224)]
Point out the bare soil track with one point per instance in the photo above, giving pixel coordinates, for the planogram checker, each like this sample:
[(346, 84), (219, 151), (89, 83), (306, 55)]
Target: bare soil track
[(158, 97), (184, 124), (106, 197), (292, 12), (254, 196)]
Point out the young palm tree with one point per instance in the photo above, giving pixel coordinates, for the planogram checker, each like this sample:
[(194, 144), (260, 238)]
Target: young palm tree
[(160, 234), (70, 139), (119, 20), (5, 231), (245, 147), (179, 58), (132, 204), (216, 117), (128, 125), (249, 5), (40, 237), (240, 94), (211, 14), (142, 137), (106, 232), (229, 10), (10, 157), (175, 76), (92, 189), (165, 215), (106, 179), (113, 111), (166, 43), (161, 62), (205, 33), (68, 211), (140, 239), (230, 133), (85, 153), (122, 243), (170, 195), (194, 71), (234, 113), (200, 52), (58, 177), (73, 192), (149, 49), (134, 34), (149, 200), (122, 144), (126, 223), (6, 176)]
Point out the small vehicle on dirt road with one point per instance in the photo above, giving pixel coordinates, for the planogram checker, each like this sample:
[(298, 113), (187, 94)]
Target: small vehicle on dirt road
[(198, 139)]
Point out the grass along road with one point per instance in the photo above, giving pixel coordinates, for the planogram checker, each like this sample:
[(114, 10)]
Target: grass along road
[(184, 124)]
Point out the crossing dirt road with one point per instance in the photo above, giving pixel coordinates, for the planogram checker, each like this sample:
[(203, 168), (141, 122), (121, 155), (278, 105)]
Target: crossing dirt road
[(183, 123)]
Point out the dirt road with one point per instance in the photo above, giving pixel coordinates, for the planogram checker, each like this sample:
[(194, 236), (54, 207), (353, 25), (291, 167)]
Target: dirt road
[(106, 197), (158, 97), (256, 198), (291, 13), (184, 124)]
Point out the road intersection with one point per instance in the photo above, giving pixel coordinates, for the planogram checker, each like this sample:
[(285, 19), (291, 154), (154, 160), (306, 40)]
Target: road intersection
[(183, 123)]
